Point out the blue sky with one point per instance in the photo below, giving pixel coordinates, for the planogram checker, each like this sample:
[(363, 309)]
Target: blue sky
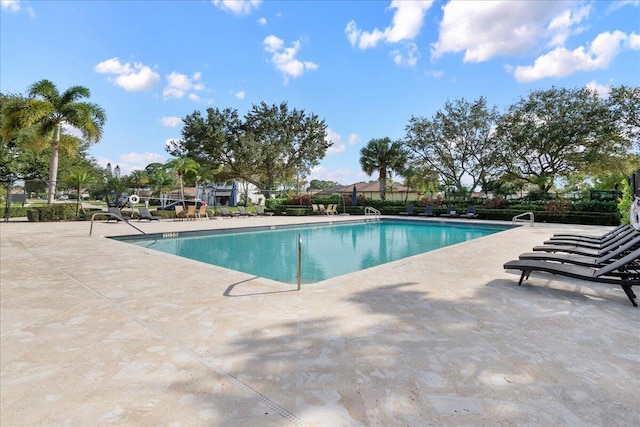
[(365, 67)]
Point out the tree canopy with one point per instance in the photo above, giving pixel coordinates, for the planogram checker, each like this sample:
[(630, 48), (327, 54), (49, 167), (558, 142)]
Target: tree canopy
[(557, 132), (46, 111), (383, 156), (270, 145), (457, 142)]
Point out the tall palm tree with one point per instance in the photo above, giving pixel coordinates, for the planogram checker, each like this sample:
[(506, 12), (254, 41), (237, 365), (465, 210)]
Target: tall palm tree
[(48, 110), (383, 156), (182, 166)]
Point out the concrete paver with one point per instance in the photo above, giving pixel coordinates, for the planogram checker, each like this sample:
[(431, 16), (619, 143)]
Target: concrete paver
[(99, 332)]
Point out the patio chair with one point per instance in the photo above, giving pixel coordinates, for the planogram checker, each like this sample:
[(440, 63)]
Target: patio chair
[(202, 212), (600, 241), (471, 213), (587, 237), (225, 212), (332, 209), (261, 212), (116, 215), (593, 245), (624, 272), (315, 210), (191, 212), (452, 212), (146, 214), (588, 261), (244, 212), (428, 211), (180, 213), (410, 210), (322, 210), (580, 250)]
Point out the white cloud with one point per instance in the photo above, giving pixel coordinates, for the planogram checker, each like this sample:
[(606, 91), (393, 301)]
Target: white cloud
[(561, 62), (238, 7), (409, 58), (141, 158), (284, 58), (131, 78), (615, 5), (240, 94), (131, 161), (341, 176), (601, 90), (170, 121), (16, 6), (11, 5), (485, 29), (262, 21), (633, 41), (406, 25), (562, 26), (178, 85), (434, 73), (353, 139), (338, 145)]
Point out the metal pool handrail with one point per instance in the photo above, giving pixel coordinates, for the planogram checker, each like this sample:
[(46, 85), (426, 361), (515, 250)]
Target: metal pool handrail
[(517, 218), (112, 215), (369, 211), (299, 260)]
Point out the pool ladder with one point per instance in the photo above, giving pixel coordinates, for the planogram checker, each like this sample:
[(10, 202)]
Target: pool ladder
[(372, 214), (520, 218)]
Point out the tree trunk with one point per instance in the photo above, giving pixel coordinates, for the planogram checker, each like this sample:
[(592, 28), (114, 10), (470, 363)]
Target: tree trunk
[(53, 167), (7, 209), (383, 184)]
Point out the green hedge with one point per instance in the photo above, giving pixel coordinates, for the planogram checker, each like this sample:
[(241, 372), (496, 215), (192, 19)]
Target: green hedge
[(15, 211), (57, 212)]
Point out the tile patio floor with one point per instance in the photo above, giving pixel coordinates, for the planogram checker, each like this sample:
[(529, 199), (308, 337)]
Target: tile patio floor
[(99, 332)]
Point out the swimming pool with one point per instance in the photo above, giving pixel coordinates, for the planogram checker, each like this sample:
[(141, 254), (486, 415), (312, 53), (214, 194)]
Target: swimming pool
[(327, 250)]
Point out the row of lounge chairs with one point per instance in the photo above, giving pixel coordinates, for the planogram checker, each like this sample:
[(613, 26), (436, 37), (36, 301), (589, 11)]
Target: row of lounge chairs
[(612, 258), (242, 212), (452, 212), (192, 212), (331, 209)]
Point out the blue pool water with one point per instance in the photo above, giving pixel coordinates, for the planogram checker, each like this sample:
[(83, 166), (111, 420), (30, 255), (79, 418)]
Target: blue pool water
[(327, 250)]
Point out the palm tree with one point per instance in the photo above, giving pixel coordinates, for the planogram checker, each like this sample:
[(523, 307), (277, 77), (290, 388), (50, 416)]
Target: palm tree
[(182, 166), (48, 111), (138, 178), (79, 179), (383, 156)]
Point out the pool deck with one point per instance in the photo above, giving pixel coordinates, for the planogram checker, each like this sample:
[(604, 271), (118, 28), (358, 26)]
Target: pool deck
[(100, 332)]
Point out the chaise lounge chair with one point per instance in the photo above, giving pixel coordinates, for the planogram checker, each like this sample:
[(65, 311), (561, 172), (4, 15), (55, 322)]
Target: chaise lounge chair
[(225, 212), (410, 211), (471, 213), (146, 214), (589, 243), (588, 261), (451, 212), (261, 212), (624, 272), (428, 211), (244, 212), (116, 215), (588, 250), (585, 237)]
